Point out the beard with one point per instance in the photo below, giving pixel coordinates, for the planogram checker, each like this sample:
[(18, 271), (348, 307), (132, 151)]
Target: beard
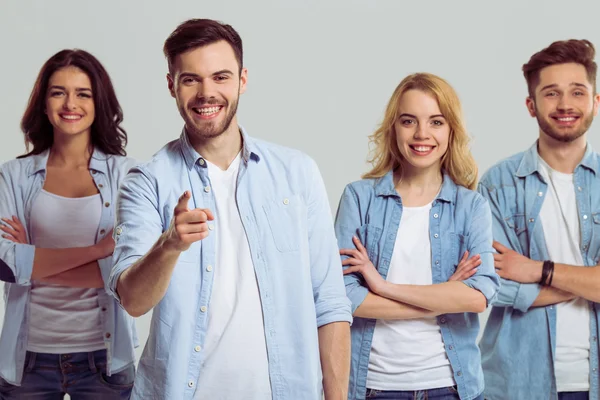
[(208, 129), (559, 134)]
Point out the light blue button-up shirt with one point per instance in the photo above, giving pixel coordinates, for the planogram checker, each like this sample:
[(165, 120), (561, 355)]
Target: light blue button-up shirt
[(20, 182), (459, 220), (283, 206), (519, 342)]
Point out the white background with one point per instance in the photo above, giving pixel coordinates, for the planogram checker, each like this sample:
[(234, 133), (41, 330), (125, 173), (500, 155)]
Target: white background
[(320, 72)]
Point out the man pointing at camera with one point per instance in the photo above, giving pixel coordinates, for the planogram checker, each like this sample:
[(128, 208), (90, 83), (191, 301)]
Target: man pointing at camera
[(230, 241)]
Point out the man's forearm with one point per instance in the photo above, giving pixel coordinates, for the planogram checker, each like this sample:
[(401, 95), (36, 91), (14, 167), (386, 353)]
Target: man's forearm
[(144, 284), (550, 295), (334, 347), (447, 297), (84, 276), (580, 281), (378, 307)]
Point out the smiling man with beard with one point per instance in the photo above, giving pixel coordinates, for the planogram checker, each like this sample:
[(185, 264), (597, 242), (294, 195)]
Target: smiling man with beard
[(541, 339), (230, 241)]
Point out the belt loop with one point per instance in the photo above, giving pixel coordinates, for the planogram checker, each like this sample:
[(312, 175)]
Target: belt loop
[(92, 362), (31, 361)]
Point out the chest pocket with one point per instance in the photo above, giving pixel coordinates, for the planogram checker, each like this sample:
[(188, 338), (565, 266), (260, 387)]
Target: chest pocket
[(595, 236), (370, 235), (458, 245), (286, 218), (517, 222)]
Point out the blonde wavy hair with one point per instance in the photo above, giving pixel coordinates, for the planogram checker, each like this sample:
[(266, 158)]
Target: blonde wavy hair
[(457, 162)]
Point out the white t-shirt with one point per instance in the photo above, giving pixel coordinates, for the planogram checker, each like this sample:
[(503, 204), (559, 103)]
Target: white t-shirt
[(560, 220), (235, 352), (64, 319), (410, 354)]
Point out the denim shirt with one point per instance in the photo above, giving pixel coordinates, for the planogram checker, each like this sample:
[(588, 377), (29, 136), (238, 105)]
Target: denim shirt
[(284, 209), (21, 180), (460, 220), (519, 342)]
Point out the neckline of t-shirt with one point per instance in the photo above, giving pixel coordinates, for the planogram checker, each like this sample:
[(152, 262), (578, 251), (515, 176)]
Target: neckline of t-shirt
[(554, 174), (233, 166), (57, 196)]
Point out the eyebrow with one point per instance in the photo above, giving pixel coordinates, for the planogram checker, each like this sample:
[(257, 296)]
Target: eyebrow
[(192, 75), (76, 89), (415, 117), (554, 85)]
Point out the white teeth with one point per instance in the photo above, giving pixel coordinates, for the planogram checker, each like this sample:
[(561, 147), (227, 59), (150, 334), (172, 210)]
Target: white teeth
[(567, 119), (70, 116), (207, 110), (422, 148)]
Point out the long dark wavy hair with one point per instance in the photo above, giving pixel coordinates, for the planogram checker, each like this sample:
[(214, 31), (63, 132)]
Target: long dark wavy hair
[(106, 133)]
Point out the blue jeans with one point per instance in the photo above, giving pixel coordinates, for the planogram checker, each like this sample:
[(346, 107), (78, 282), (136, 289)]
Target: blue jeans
[(447, 393), (81, 375), (574, 396)]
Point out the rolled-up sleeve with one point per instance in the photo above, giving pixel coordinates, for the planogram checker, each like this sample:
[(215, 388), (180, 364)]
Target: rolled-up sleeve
[(17, 257), (330, 299), (138, 223), (347, 222), (480, 241), (511, 294)]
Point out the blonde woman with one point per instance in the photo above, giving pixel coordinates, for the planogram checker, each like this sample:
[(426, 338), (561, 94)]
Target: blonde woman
[(416, 243)]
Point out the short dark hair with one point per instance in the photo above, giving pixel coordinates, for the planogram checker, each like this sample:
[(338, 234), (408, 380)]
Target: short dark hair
[(195, 33), (561, 52), (106, 132)]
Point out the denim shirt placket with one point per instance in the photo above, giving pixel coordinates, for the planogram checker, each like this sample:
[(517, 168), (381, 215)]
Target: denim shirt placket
[(395, 203), (199, 179), (107, 310), (582, 199)]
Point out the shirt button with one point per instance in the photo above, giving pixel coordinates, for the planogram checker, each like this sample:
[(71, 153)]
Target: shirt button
[(585, 246), (119, 230), (211, 227), (102, 231), (437, 262), (203, 308), (100, 185), (443, 320), (540, 194), (435, 215), (531, 219), (207, 189), (451, 347), (107, 204), (93, 172), (103, 308), (579, 188), (435, 235), (197, 349), (201, 162), (107, 335), (593, 338), (459, 373), (190, 383), (286, 201), (585, 217), (209, 268)]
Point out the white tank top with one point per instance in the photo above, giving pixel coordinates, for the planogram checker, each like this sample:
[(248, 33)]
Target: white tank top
[(64, 319)]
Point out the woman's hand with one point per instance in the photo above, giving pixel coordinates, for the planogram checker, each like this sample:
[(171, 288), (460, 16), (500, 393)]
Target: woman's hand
[(358, 261), (467, 267), (13, 230)]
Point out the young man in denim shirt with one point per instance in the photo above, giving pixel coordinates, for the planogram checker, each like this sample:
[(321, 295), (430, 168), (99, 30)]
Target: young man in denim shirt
[(230, 241), (541, 339)]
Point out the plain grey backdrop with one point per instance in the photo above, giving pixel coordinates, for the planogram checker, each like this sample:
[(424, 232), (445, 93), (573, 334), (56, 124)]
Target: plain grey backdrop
[(320, 72)]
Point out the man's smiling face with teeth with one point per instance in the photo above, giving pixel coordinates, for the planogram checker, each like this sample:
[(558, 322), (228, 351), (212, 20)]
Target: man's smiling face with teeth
[(206, 83), (565, 103)]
